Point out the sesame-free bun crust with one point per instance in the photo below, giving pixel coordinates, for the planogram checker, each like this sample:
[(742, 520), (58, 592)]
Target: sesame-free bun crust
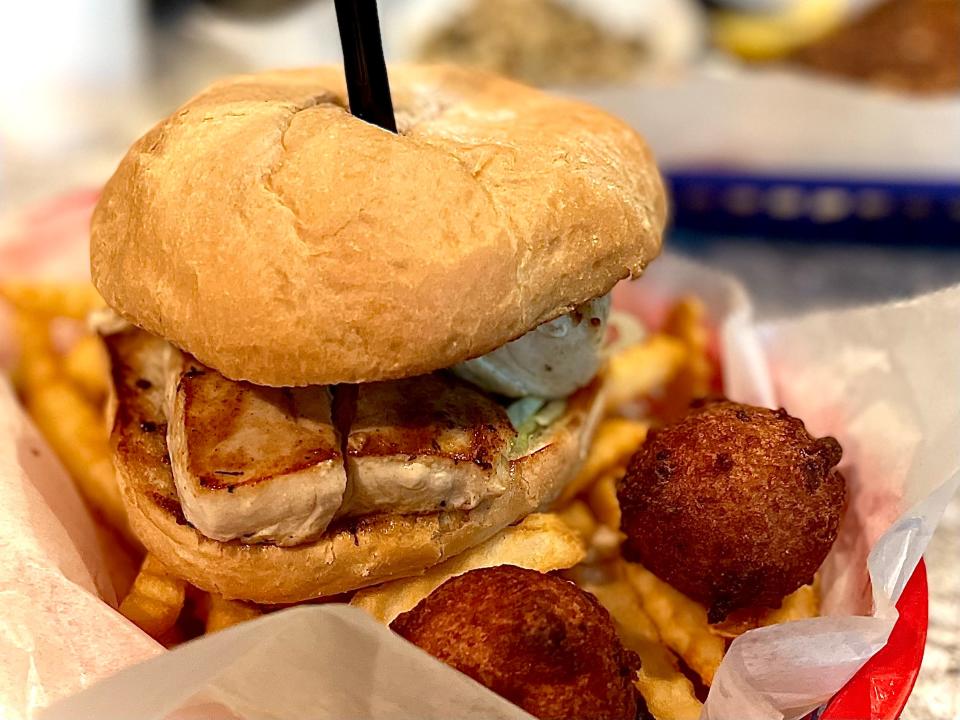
[(280, 240), (365, 552)]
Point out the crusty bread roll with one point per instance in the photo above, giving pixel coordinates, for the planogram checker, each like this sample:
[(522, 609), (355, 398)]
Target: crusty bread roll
[(349, 556), (280, 240)]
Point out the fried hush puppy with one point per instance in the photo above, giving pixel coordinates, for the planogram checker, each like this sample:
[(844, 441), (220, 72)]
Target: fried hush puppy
[(735, 506), (535, 639)]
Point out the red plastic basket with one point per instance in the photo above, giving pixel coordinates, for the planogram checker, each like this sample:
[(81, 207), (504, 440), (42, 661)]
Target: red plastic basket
[(879, 691)]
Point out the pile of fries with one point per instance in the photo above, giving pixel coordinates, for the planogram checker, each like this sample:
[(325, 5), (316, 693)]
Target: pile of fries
[(62, 378)]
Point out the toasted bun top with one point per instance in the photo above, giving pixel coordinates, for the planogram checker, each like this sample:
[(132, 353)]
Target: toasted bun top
[(280, 240)]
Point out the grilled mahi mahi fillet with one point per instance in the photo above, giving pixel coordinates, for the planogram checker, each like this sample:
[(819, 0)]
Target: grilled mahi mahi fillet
[(265, 464), (252, 463), (425, 443)]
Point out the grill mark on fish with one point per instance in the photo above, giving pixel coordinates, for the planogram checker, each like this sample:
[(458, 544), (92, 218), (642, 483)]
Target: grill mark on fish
[(216, 410), (435, 416)]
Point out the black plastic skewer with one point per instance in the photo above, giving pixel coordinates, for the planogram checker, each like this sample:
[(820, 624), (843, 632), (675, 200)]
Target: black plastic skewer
[(367, 85)]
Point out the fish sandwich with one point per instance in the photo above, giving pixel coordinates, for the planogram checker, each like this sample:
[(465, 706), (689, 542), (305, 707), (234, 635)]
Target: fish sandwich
[(341, 355)]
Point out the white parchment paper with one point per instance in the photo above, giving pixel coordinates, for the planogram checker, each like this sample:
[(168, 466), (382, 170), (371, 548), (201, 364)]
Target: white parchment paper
[(883, 380), (305, 663), (58, 629)]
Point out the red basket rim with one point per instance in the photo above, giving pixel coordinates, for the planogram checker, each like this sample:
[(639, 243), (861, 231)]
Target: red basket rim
[(880, 689)]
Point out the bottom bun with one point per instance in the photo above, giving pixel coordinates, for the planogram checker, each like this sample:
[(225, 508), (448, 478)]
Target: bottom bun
[(364, 551)]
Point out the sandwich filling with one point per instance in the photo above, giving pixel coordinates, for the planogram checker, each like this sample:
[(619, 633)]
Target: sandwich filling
[(259, 464), (551, 361), (278, 465), (423, 444)]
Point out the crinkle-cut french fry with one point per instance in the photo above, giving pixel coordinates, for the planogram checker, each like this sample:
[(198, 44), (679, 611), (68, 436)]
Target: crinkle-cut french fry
[(122, 561), (602, 573), (604, 545), (172, 637), (668, 694), (801, 604), (681, 622), (540, 542), (198, 602), (72, 426), (615, 441), (602, 499), (75, 431), (635, 627), (686, 321), (37, 360), (155, 600), (87, 366), (642, 369), (73, 300), (737, 623), (579, 517), (223, 613)]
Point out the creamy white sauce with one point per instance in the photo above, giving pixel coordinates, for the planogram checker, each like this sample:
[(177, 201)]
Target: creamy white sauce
[(106, 321), (551, 361)]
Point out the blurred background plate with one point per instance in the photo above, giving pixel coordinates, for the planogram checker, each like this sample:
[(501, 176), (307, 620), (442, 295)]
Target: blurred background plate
[(777, 153)]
